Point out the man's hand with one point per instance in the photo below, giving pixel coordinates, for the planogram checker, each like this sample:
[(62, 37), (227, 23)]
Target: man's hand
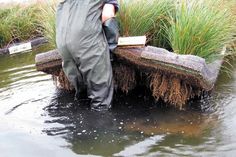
[(108, 12)]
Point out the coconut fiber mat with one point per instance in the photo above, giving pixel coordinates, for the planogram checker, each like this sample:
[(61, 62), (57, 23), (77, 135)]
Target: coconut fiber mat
[(173, 78)]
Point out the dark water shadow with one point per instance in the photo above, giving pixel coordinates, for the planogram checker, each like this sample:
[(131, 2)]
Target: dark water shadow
[(133, 118)]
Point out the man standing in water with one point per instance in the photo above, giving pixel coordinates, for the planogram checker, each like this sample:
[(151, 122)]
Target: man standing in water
[(84, 48)]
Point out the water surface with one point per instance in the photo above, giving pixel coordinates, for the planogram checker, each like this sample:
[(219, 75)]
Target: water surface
[(37, 119)]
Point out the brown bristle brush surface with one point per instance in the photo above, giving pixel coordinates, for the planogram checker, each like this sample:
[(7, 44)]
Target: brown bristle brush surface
[(172, 78)]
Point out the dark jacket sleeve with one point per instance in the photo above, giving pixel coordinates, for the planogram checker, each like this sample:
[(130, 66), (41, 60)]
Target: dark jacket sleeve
[(114, 2)]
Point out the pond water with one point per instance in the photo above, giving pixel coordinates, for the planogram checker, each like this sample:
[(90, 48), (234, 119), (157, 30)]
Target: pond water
[(37, 119)]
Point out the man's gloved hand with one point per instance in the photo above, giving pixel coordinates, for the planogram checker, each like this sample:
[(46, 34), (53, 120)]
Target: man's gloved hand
[(111, 30)]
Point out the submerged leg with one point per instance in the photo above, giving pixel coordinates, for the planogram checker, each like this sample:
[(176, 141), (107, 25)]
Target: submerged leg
[(100, 84), (95, 66), (71, 71)]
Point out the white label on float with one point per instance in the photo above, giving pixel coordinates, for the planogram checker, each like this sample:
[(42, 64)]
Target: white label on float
[(20, 48), (129, 41)]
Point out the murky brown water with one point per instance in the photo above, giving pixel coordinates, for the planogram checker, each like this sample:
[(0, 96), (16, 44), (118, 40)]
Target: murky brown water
[(36, 120)]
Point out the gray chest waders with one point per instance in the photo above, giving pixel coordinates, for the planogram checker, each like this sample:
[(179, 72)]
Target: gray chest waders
[(84, 50)]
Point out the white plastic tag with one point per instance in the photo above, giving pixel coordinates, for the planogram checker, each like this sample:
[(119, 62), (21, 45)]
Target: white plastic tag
[(20, 48), (132, 41)]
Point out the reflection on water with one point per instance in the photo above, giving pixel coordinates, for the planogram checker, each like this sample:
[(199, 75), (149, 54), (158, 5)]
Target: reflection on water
[(36, 119)]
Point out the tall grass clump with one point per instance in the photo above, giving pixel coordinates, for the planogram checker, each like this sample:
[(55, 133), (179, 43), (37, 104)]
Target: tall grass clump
[(232, 46), (18, 24), (200, 28), (144, 17), (5, 34), (48, 21)]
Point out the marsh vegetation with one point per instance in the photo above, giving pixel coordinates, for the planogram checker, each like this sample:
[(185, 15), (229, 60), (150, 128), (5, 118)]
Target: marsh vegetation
[(186, 27), (200, 28), (19, 24)]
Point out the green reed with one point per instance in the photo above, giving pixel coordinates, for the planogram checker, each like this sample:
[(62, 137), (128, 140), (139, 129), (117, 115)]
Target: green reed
[(48, 21), (201, 28), (144, 17), (19, 24)]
